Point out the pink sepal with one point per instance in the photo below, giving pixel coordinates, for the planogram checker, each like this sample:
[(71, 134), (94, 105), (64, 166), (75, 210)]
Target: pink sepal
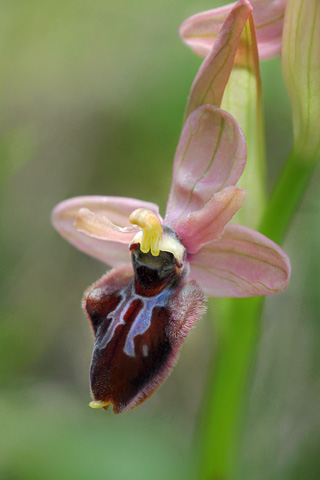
[(242, 263)]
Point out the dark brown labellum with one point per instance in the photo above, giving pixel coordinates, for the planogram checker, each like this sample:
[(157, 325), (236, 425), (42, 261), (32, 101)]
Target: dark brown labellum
[(140, 319)]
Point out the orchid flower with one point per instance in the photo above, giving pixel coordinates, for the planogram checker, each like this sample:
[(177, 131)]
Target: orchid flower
[(142, 310), (201, 30)]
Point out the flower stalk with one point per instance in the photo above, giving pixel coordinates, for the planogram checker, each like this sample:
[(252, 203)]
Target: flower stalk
[(238, 340), (227, 387)]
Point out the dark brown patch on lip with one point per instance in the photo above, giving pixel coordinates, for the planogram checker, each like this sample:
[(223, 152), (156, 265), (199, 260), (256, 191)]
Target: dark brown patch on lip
[(118, 377)]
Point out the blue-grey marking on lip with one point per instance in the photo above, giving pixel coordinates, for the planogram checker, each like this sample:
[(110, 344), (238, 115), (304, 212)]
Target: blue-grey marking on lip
[(142, 321)]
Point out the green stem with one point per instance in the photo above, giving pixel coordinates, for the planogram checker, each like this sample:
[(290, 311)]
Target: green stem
[(239, 333), (286, 197), (228, 381)]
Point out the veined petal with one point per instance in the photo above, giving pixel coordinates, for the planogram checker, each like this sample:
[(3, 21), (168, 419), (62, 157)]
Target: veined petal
[(210, 82), (211, 155), (201, 30), (243, 263), (116, 209), (201, 227)]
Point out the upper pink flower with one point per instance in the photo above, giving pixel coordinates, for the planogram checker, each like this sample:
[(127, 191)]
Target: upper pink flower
[(201, 30)]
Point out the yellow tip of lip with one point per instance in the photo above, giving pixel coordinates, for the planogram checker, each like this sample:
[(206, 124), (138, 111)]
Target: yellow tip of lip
[(99, 404)]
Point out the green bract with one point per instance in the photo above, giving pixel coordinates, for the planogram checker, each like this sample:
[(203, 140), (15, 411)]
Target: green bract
[(301, 70)]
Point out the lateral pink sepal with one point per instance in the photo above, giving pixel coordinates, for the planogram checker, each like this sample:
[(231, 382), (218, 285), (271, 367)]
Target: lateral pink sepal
[(242, 263)]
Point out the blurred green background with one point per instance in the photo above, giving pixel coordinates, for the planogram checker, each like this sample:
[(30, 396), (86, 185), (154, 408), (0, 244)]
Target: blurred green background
[(92, 100)]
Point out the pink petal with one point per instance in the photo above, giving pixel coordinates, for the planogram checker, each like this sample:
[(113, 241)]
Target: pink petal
[(207, 224), (201, 30), (210, 82), (116, 209), (211, 155), (243, 263)]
